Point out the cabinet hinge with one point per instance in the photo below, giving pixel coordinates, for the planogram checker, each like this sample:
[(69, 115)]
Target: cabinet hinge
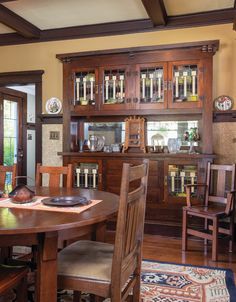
[(72, 77), (202, 69), (131, 54), (202, 98)]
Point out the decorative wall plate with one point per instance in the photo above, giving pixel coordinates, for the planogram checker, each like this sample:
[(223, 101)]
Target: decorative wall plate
[(223, 103), (53, 106)]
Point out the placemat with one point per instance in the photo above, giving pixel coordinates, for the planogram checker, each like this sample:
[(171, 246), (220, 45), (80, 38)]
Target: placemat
[(36, 204)]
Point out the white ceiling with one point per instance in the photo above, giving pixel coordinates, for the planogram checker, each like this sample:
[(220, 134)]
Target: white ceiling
[(47, 14), (51, 14)]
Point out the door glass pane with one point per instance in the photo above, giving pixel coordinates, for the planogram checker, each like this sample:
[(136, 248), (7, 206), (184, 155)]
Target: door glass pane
[(85, 88), (10, 131), (185, 84), (151, 85), (114, 86)]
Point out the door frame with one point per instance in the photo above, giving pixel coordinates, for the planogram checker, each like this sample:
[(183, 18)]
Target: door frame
[(22, 107), (24, 78)]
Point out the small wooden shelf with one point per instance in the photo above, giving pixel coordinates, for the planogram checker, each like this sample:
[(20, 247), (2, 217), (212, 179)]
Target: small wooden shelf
[(224, 116), (51, 118)]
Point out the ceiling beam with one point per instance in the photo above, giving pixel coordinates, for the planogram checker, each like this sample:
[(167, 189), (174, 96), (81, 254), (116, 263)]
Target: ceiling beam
[(123, 27), (156, 11), (14, 21)]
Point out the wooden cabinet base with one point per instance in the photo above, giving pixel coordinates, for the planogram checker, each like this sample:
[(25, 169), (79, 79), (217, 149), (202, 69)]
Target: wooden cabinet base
[(163, 209)]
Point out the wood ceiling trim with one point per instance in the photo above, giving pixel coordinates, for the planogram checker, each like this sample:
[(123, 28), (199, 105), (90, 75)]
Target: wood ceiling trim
[(125, 27), (202, 19), (156, 11), (210, 46), (14, 21)]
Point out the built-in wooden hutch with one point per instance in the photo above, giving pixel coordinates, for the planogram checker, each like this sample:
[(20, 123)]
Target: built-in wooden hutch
[(171, 87)]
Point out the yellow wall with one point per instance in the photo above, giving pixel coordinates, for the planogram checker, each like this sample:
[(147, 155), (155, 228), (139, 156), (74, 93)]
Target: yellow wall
[(42, 55)]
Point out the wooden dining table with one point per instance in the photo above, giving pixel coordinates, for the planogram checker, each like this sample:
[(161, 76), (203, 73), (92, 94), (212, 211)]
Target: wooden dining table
[(45, 229)]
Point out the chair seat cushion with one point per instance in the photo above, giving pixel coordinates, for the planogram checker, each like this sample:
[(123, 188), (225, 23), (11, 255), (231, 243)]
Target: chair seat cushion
[(213, 210), (87, 260)]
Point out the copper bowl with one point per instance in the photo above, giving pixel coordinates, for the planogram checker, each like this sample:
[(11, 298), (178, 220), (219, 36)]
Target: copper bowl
[(21, 194)]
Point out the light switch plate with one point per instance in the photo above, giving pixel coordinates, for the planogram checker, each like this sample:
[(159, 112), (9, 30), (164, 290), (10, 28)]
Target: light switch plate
[(55, 135)]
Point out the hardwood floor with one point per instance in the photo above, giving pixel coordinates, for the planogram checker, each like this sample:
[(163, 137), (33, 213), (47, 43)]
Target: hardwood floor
[(168, 249)]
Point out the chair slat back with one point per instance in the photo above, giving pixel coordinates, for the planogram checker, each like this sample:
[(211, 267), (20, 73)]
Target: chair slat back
[(55, 174), (130, 223), (220, 180), (3, 174)]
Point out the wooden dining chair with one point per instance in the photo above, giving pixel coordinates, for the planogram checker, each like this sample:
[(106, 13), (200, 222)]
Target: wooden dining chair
[(107, 270), (54, 175), (217, 208), (3, 175), (14, 278)]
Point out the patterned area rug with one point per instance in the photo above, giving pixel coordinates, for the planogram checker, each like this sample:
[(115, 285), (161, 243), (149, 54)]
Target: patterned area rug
[(167, 282)]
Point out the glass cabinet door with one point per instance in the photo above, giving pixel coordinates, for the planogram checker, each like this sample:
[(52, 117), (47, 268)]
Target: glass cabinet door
[(177, 176), (151, 86), (114, 87), (85, 88), (185, 84)]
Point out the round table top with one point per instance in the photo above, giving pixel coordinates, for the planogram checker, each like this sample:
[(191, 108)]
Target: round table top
[(20, 221)]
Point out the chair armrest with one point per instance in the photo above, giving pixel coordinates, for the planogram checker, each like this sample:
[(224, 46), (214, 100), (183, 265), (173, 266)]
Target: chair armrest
[(188, 191), (230, 204)]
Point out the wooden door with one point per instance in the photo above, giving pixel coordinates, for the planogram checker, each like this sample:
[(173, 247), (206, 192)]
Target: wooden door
[(13, 105), (185, 84), (151, 86)]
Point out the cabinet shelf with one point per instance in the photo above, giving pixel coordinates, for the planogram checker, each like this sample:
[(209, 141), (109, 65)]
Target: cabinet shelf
[(150, 112), (137, 155), (50, 118), (224, 116)]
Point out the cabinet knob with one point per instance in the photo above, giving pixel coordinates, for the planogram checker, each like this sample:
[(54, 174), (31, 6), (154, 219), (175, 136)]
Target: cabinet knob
[(100, 178), (166, 181), (170, 85), (165, 85)]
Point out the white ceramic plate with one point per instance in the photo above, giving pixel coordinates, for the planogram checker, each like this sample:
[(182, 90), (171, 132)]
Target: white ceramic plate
[(53, 106)]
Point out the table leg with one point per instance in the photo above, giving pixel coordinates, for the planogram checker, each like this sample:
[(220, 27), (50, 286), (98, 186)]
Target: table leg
[(100, 232), (46, 280)]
